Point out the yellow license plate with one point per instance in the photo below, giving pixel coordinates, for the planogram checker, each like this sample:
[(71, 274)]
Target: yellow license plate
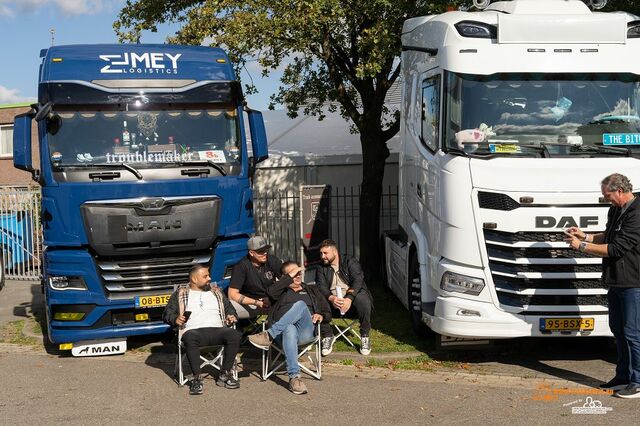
[(567, 324), (152, 301)]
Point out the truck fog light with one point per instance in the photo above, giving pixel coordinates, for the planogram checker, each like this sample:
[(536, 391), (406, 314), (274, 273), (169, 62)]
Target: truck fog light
[(142, 317), (457, 283), (67, 283), (68, 316), (468, 313), (65, 346)]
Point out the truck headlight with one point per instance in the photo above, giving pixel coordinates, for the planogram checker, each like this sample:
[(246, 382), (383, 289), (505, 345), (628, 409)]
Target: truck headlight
[(67, 283), (461, 284)]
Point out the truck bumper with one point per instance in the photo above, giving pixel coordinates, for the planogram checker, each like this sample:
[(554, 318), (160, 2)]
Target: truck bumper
[(465, 318), (65, 335)]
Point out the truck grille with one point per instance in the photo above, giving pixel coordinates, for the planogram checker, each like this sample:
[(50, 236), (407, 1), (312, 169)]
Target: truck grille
[(537, 272), (139, 274)]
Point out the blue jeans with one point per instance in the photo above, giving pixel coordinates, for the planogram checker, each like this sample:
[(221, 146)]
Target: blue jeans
[(624, 321), (293, 329)]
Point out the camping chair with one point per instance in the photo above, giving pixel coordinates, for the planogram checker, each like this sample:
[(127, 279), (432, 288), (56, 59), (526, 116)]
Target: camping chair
[(209, 355), (273, 359), (343, 326)]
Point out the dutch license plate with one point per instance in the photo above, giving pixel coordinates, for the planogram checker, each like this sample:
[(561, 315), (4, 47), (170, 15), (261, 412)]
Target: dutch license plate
[(152, 301), (567, 324)]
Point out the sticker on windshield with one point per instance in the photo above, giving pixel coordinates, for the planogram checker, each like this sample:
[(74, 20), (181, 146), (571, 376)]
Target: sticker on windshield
[(621, 139), (215, 155), (498, 148)]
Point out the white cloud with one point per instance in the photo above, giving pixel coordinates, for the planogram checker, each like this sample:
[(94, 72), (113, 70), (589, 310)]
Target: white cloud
[(67, 7), (10, 96)]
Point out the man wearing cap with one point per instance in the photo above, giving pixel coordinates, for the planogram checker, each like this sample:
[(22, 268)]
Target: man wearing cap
[(251, 277)]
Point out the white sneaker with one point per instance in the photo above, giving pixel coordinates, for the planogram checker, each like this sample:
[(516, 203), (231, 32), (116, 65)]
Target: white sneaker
[(365, 345), (327, 345)]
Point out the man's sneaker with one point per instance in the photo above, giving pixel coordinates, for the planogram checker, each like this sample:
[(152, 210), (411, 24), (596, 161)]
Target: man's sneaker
[(261, 340), (614, 384), (297, 386), (631, 391), (196, 387), (225, 379), (327, 345), (365, 345)]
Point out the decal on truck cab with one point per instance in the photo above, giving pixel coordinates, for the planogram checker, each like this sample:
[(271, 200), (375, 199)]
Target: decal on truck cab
[(143, 63)]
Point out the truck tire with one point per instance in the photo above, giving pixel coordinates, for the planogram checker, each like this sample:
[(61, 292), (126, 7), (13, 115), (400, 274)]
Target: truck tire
[(415, 299)]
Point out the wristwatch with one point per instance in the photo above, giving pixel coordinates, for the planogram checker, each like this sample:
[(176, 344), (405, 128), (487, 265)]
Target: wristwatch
[(582, 247)]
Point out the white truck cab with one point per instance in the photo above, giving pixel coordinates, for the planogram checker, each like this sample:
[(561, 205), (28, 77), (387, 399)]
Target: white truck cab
[(511, 117)]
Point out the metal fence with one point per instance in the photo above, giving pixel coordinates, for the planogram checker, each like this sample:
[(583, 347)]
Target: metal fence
[(277, 218), (20, 232)]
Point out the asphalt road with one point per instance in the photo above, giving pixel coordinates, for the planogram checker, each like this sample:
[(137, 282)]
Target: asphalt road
[(43, 389)]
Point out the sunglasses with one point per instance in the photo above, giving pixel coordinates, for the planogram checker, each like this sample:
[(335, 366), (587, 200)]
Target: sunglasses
[(261, 252)]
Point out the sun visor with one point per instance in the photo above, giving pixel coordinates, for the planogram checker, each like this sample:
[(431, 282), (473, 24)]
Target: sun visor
[(598, 28)]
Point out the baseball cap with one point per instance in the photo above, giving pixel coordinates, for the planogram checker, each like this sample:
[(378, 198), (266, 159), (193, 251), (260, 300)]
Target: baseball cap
[(257, 243)]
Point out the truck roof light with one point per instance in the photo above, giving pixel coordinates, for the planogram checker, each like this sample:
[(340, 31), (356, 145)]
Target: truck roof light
[(589, 50), (562, 50), (633, 29), (473, 29), (56, 60), (490, 225), (468, 50), (536, 50), (526, 200)]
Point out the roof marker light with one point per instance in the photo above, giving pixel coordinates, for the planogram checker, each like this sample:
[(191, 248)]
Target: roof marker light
[(536, 50), (221, 61), (56, 60)]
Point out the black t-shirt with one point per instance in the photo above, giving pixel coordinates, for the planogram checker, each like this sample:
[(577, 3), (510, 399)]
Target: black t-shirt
[(290, 297), (251, 281)]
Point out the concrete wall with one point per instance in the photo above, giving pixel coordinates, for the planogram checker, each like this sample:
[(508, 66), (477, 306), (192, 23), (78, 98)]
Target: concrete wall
[(282, 173), (8, 174)]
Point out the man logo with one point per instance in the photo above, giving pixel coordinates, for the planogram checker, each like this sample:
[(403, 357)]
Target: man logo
[(566, 222), (84, 351)]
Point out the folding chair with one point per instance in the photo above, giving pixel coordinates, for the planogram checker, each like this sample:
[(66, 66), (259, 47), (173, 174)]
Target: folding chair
[(209, 355), (273, 359), (343, 326)]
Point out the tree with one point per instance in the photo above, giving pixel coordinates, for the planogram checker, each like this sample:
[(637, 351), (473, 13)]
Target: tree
[(341, 53)]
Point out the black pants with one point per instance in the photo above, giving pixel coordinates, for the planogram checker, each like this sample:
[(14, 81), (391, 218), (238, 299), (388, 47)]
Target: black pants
[(227, 337), (361, 306)]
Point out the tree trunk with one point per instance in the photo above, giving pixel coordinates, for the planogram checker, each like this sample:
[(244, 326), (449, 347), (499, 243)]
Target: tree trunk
[(374, 154)]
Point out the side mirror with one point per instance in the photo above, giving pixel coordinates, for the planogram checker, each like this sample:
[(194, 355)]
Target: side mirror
[(258, 136), (22, 144)]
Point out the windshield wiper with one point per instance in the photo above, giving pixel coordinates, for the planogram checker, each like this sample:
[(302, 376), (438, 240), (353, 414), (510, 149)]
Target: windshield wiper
[(603, 149), (203, 163), (125, 166), (542, 148)]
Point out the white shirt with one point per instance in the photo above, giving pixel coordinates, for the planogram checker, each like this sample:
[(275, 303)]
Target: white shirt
[(205, 310)]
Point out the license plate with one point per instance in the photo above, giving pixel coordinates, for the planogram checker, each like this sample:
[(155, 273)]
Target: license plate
[(567, 324), (152, 301)]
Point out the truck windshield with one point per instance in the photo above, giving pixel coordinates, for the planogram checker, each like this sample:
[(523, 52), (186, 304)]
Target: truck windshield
[(565, 114), (151, 137)]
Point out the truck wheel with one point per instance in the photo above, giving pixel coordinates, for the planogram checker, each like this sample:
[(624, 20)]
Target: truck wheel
[(415, 299)]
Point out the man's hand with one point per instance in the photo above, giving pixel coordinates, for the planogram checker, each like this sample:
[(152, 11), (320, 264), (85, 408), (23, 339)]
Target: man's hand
[(346, 304), (575, 232), (337, 302), (294, 271), (231, 319), (574, 242), (181, 320), (316, 318)]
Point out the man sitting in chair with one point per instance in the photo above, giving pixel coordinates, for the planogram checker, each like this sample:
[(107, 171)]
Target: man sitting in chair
[(201, 312), (296, 308), (341, 281), (251, 277)]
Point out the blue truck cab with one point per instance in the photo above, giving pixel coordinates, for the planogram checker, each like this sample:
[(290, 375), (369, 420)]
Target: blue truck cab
[(145, 172)]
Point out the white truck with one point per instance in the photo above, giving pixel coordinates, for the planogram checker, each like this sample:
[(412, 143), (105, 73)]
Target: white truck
[(511, 117)]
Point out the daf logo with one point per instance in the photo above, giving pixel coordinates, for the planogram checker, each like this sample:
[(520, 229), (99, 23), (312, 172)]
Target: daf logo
[(152, 203), (566, 221)]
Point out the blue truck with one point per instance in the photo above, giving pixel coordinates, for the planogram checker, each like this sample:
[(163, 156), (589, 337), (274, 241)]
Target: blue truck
[(145, 171)]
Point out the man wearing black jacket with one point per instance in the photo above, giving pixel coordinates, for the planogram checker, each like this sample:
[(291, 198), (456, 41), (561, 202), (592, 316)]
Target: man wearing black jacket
[(296, 307), (619, 246), (341, 281)]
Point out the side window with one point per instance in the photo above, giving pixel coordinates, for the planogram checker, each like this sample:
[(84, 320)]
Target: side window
[(6, 140), (430, 112)]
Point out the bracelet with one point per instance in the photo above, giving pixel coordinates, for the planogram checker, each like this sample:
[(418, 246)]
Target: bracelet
[(241, 299), (582, 247)]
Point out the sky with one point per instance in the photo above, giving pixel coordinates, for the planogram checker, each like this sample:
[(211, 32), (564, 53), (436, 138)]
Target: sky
[(25, 29)]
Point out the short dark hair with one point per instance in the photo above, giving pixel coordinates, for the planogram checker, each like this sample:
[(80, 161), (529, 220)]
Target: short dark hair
[(616, 181), (286, 264), (196, 268), (328, 243)]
